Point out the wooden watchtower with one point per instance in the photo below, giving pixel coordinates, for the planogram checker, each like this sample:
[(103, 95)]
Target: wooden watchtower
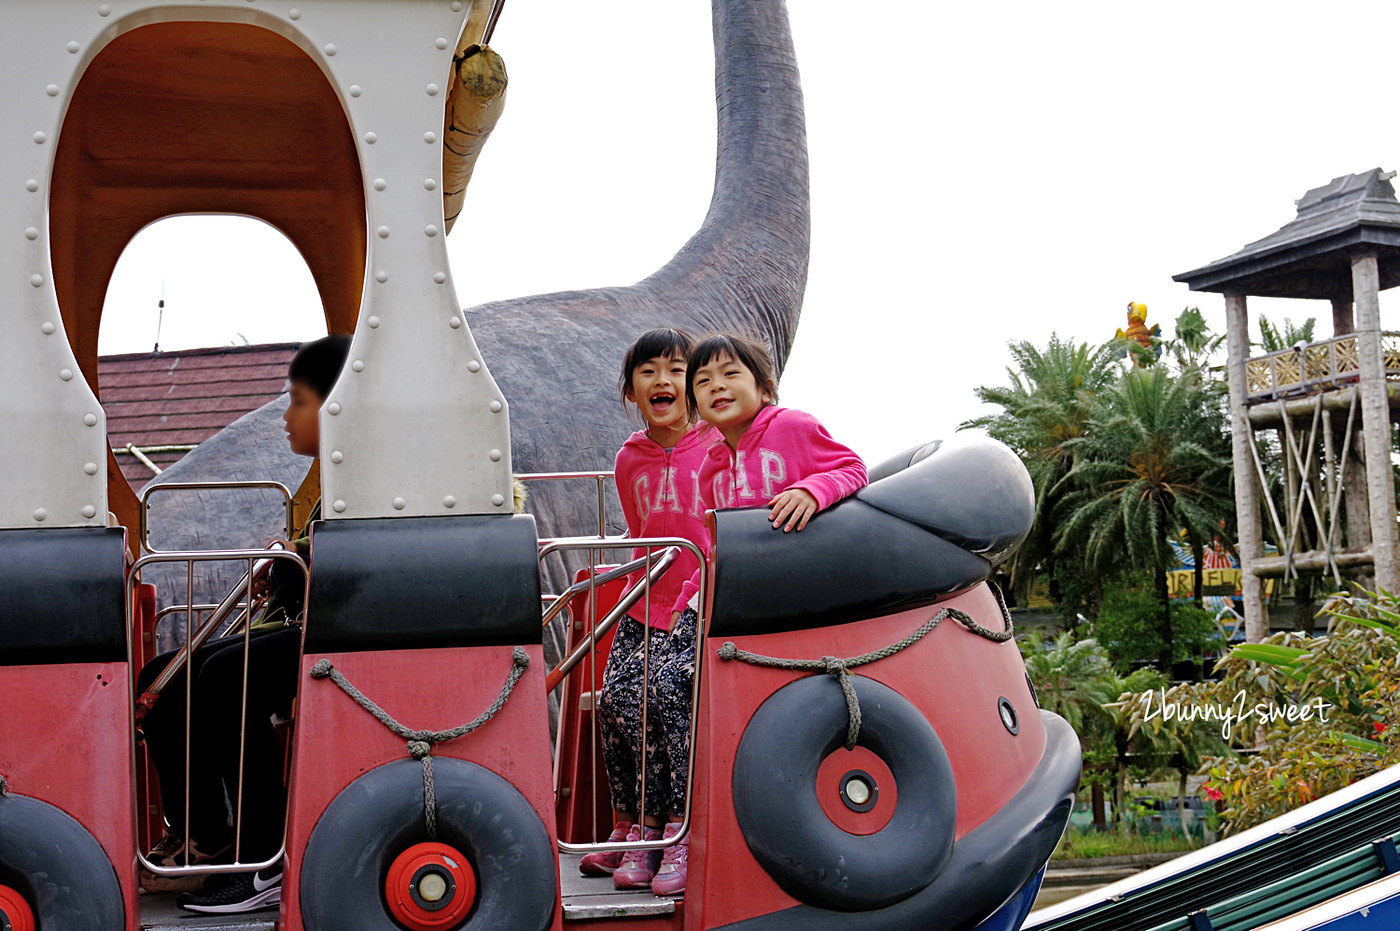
[(1330, 401)]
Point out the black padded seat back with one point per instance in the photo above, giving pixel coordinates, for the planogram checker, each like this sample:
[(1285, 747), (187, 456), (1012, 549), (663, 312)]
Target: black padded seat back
[(853, 562), (407, 583), (970, 490), (62, 596)]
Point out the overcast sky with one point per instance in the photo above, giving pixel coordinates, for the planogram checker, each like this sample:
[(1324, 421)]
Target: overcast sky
[(980, 173)]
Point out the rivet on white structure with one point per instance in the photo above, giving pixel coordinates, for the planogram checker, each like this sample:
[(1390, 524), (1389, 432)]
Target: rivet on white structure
[(380, 184), (51, 90), (294, 13), (495, 455), (430, 230), (90, 468), (36, 280), (371, 138), (454, 322), (400, 504), (65, 374), (373, 323), (31, 185), (31, 234), (102, 10), (498, 500), (337, 457), (383, 232), (381, 276), (90, 419), (430, 137), (495, 407), (331, 49), (333, 408), (473, 366), (439, 277), (338, 506), (432, 90), (40, 138), (430, 183), (355, 90), (456, 6), (73, 48), (89, 511), (358, 365), (441, 42), (449, 502), (40, 514), (47, 328)]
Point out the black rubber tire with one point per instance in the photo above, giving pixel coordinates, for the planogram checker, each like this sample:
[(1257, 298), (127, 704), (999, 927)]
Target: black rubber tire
[(380, 815), (775, 799), (59, 867)]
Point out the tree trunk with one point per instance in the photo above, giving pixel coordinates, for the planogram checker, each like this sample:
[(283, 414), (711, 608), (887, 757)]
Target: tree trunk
[(1164, 658), (1198, 553), (1181, 807), (1096, 804)]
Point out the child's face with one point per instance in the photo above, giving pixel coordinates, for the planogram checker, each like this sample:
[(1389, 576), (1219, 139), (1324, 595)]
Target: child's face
[(728, 395), (303, 420), (658, 390)]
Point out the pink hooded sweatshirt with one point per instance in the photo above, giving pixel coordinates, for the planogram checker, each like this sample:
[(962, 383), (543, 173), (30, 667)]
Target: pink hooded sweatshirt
[(659, 490), (783, 448)]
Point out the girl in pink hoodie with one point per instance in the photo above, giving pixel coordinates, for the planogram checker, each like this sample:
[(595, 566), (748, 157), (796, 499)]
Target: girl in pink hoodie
[(657, 476), (771, 456)]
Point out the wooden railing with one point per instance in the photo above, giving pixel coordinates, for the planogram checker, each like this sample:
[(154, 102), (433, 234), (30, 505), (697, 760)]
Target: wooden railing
[(1313, 367)]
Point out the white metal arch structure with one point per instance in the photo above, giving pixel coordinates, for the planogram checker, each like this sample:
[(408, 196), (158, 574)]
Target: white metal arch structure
[(416, 425)]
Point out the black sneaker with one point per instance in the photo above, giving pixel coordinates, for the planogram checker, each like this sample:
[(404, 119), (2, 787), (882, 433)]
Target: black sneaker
[(232, 893)]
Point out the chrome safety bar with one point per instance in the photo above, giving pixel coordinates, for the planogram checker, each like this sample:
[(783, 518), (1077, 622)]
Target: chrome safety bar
[(659, 562), (257, 560), (144, 522), (561, 600), (599, 477)]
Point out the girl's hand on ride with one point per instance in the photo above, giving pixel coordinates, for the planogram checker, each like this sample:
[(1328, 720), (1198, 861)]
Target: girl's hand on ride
[(262, 583), (796, 506)]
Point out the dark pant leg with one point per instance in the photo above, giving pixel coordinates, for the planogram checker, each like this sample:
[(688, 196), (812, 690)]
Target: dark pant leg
[(164, 730), (671, 690), (619, 720), (273, 658)]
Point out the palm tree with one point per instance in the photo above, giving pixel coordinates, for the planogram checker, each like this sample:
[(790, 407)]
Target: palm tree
[(1277, 339), (1046, 407), (1155, 461)]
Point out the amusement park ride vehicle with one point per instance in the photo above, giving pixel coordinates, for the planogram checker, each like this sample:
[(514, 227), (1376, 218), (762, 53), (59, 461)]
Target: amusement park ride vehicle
[(924, 789)]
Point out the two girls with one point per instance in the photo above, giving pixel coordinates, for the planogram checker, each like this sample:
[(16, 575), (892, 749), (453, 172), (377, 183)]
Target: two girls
[(747, 452)]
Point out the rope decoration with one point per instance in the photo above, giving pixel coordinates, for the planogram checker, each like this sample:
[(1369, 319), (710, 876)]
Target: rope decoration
[(840, 668), (420, 743), (4, 787)]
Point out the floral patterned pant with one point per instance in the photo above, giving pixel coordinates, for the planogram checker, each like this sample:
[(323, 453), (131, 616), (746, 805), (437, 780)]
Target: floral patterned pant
[(670, 670)]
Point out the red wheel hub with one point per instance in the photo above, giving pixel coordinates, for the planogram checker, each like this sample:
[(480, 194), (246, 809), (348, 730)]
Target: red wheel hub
[(431, 887), (15, 914)]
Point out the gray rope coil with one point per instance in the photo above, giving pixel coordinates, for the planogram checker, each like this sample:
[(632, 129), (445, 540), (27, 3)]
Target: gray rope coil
[(4, 787), (840, 668), (420, 743)]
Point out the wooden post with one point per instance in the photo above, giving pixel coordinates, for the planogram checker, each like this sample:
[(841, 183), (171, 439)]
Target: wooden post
[(1251, 545), (1342, 321), (1375, 418)]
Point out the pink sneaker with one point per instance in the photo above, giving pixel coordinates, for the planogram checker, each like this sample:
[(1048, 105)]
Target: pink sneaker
[(603, 864), (670, 878), (638, 866)]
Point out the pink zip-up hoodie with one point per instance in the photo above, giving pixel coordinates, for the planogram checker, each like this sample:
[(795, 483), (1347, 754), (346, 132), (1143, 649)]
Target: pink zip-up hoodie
[(659, 490), (782, 449)]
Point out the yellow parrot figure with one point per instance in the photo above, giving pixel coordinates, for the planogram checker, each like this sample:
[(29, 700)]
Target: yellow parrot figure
[(1137, 328)]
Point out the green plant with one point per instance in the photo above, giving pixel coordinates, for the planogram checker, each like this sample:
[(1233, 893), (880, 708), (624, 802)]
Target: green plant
[(1129, 626)]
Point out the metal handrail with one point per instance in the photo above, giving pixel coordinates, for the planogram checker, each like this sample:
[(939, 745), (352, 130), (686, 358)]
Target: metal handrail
[(255, 559), (561, 600), (592, 546), (599, 477), (567, 664), (143, 518)]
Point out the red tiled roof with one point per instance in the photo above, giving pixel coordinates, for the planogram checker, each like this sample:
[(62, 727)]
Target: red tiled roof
[(184, 397)]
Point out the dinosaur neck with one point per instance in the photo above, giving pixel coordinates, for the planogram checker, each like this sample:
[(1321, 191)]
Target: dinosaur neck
[(746, 268)]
